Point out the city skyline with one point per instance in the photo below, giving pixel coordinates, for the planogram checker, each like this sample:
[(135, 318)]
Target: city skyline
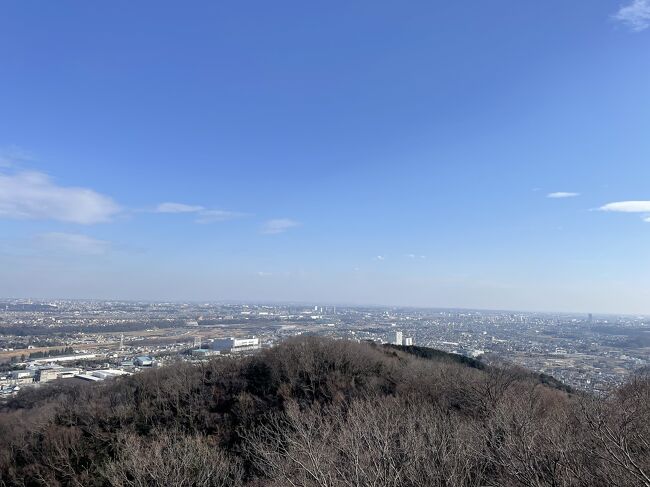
[(360, 154)]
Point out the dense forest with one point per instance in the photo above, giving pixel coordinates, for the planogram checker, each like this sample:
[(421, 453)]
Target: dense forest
[(325, 413)]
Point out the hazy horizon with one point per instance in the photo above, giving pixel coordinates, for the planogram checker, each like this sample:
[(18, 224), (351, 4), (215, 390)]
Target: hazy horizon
[(436, 154), (327, 304)]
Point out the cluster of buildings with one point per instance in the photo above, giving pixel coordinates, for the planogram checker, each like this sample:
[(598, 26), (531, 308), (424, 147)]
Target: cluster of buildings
[(584, 351), (402, 340), (40, 372)]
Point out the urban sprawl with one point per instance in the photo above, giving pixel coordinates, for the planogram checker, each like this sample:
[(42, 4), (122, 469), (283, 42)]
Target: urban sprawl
[(99, 340)]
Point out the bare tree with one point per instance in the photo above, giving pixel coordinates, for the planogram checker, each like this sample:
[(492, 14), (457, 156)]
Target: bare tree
[(619, 433), (171, 458), (380, 441)]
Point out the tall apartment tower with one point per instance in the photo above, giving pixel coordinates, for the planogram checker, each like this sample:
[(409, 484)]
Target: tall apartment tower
[(398, 338)]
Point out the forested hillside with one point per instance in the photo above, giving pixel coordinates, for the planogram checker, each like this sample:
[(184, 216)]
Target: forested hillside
[(316, 412)]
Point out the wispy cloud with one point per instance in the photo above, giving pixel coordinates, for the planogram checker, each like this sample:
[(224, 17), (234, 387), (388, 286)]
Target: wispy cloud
[(178, 208), (278, 225), (74, 243), (627, 207), (414, 256), (203, 214), (635, 15), (380, 257), (562, 194), (33, 195), (13, 156), (210, 216)]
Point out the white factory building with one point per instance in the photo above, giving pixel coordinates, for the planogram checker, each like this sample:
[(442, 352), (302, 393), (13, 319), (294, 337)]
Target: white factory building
[(235, 345)]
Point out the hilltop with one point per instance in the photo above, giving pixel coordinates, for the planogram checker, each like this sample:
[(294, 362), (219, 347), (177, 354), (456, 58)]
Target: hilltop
[(318, 412)]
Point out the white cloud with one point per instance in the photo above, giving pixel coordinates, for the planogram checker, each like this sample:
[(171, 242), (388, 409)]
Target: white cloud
[(635, 15), (13, 156), (177, 208), (639, 206), (210, 216), (73, 243), (278, 225), (32, 195), (204, 215), (413, 256), (380, 257), (562, 194), (627, 207)]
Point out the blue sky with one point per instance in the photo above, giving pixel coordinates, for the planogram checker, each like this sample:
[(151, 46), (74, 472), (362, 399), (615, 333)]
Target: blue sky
[(331, 152)]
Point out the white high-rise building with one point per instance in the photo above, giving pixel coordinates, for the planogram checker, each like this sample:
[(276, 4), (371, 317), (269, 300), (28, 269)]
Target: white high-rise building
[(408, 341), (398, 338)]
